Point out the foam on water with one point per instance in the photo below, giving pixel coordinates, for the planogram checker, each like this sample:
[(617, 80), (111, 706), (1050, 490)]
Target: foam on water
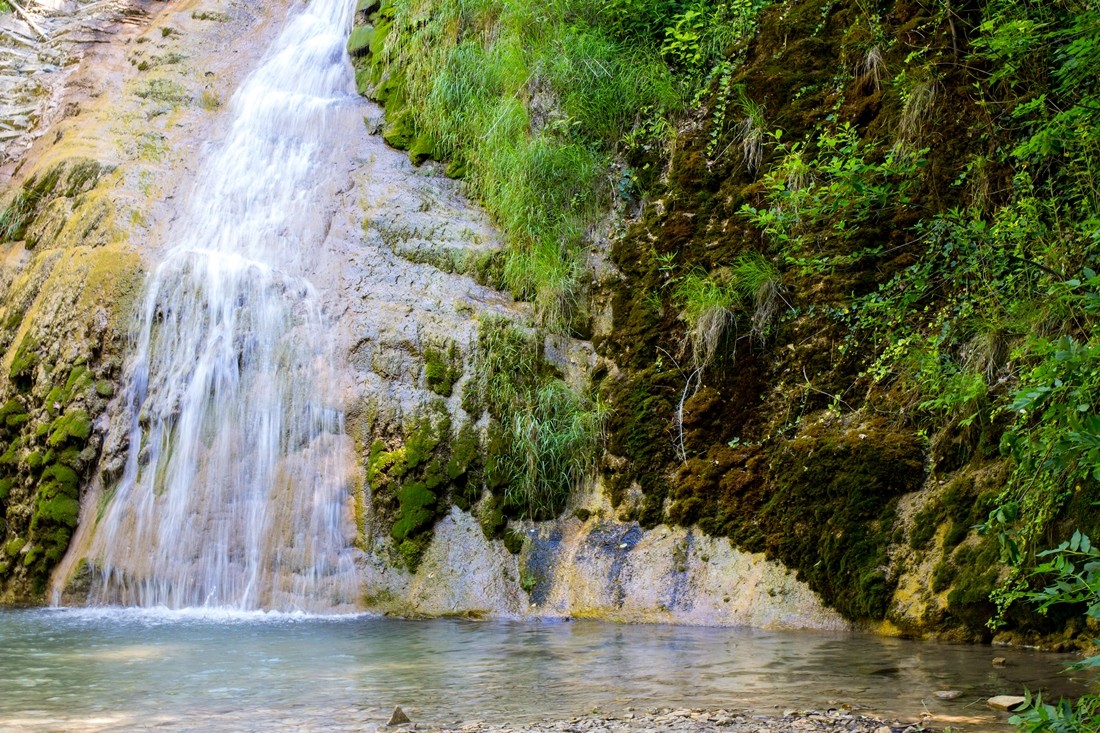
[(162, 615), (234, 494)]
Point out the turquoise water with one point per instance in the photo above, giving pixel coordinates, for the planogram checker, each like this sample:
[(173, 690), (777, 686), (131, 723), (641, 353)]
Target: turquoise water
[(121, 670)]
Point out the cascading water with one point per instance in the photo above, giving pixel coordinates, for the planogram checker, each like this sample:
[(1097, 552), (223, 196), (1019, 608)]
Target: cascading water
[(234, 492)]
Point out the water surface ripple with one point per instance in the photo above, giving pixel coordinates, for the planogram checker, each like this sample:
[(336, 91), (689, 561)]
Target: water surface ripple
[(113, 669)]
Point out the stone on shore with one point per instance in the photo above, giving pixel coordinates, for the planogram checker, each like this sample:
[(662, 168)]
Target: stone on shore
[(1006, 702), (398, 717)]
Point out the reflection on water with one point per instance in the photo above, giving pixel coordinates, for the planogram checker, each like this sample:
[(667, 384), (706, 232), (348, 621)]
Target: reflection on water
[(111, 669)]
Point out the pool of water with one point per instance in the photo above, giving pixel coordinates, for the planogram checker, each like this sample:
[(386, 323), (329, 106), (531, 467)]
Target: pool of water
[(112, 669)]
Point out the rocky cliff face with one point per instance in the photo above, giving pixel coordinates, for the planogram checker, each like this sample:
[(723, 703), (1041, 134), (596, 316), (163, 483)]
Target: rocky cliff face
[(759, 464), (434, 363), (73, 225), (814, 332)]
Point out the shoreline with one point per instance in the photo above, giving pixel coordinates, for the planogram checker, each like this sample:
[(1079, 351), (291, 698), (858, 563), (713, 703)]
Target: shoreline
[(697, 720)]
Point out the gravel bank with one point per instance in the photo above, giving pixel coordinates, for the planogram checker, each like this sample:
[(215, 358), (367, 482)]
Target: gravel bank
[(696, 720)]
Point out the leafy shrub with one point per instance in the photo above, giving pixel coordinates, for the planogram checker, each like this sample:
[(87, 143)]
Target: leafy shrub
[(1074, 572)]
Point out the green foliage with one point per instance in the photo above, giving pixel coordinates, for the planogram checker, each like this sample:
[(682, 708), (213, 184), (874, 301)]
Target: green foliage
[(703, 31), (710, 303), (820, 193), (1073, 572)]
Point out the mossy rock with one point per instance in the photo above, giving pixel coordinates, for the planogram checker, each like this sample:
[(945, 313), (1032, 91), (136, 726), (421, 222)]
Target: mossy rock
[(11, 456), (832, 507), (73, 426), (12, 413), (442, 369), (514, 540), (25, 360), (400, 132), (417, 510), (360, 39), (422, 149), (58, 510)]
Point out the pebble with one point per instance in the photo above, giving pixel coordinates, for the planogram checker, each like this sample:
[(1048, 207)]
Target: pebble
[(1000, 662), (949, 694), (702, 721), (1005, 702)]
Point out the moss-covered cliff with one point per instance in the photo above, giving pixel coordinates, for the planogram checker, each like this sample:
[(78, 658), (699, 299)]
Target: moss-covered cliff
[(66, 289), (851, 313)]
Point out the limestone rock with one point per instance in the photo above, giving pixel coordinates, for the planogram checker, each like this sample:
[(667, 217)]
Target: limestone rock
[(948, 694), (1006, 702)]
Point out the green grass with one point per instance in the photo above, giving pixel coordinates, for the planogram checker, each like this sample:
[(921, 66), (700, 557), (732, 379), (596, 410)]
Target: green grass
[(708, 308), (544, 435), (532, 103), (553, 447)]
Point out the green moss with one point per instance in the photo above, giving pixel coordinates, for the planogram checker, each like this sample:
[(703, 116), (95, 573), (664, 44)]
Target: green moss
[(79, 379), (73, 426), (411, 550), (832, 509), (103, 388), (942, 576), (416, 510), (413, 484), (6, 485), (925, 524), (425, 436), (10, 457), (58, 510), (399, 132), (64, 476), (422, 148), (973, 577), (360, 39), (13, 416), (24, 362), (441, 369), (491, 518), (513, 541), (56, 542)]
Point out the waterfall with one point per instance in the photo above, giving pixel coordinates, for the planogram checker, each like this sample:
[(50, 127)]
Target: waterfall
[(234, 493)]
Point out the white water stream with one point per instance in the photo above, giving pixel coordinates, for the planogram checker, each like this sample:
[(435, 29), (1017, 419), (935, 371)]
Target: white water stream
[(234, 493)]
